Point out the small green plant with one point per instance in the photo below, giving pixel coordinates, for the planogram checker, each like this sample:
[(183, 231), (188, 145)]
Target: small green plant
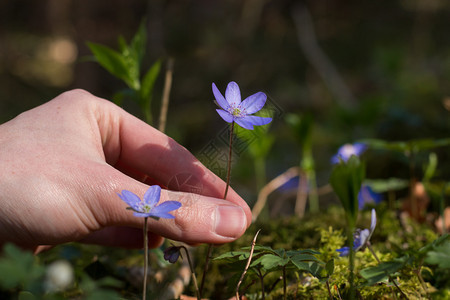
[(346, 179), (126, 64), (267, 260)]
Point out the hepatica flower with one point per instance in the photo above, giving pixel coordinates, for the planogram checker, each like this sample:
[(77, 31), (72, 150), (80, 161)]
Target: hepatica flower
[(147, 207), (361, 237), (347, 150), (367, 196), (172, 254), (233, 110)]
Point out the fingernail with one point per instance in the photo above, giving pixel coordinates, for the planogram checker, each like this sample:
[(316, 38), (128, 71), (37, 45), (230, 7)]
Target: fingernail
[(230, 221)]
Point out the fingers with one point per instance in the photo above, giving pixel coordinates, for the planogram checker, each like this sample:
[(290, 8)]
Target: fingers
[(200, 219), (134, 145)]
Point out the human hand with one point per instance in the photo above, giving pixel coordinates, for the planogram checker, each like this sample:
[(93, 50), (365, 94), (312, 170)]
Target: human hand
[(63, 163)]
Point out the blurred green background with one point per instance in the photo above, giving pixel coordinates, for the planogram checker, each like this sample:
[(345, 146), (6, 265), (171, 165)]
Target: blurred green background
[(361, 69)]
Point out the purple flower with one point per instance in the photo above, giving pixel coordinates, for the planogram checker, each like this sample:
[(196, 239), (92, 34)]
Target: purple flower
[(148, 207), (366, 195), (233, 110), (172, 254), (361, 237), (347, 150)]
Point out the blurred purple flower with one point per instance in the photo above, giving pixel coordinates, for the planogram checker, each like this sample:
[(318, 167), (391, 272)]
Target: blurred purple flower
[(361, 237), (347, 150), (367, 196), (148, 207), (172, 254), (233, 110)]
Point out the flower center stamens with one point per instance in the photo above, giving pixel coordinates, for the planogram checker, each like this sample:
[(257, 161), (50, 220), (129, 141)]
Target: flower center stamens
[(237, 112)]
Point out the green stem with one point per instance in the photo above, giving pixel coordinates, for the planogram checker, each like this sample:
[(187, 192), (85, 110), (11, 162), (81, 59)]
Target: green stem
[(389, 276), (284, 283), (260, 172), (208, 256), (313, 196), (144, 288), (351, 262)]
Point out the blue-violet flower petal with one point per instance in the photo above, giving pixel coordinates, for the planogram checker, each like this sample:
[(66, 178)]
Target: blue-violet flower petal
[(233, 110)]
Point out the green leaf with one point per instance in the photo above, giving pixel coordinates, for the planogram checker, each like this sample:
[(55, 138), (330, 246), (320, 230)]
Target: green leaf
[(407, 146), (384, 145), (21, 268), (102, 294), (304, 257), (148, 81), (115, 63), (385, 185), (329, 267), (138, 43), (123, 46), (25, 295), (440, 256), (301, 265), (383, 270), (291, 253), (316, 270), (430, 168), (346, 179), (270, 261), (436, 243), (258, 141), (240, 255), (262, 249)]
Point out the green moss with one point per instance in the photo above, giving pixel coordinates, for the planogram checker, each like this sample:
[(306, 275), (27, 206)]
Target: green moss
[(325, 233)]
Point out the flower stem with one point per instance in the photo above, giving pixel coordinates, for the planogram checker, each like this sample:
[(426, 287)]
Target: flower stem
[(194, 278), (205, 269), (144, 288), (389, 276), (208, 256), (328, 288), (230, 155)]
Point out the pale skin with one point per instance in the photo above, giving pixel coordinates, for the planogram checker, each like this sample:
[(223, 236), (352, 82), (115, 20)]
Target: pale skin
[(63, 163)]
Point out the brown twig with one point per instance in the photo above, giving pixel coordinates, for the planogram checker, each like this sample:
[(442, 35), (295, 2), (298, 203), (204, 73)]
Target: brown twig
[(270, 187), (302, 194), (247, 265), (166, 94)]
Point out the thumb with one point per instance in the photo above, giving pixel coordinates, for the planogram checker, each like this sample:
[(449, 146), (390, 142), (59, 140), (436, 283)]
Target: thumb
[(200, 219)]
